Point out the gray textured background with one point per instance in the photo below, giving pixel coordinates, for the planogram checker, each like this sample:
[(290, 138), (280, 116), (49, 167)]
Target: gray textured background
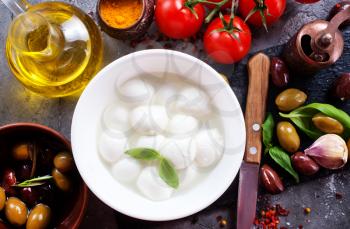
[(19, 105)]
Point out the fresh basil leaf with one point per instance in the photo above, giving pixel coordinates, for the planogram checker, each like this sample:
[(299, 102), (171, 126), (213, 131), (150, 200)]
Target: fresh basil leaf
[(268, 129), (283, 160), (168, 173), (302, 117), (332, 112), (143, 154)]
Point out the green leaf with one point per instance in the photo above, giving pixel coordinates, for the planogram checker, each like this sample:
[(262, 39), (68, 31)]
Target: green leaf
[(283, 160), (34, 182), (268, 130), (168, 173), (302, 118), (143, 154)]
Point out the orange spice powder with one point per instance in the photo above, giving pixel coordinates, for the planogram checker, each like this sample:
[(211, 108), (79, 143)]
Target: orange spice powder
[(121, 13)]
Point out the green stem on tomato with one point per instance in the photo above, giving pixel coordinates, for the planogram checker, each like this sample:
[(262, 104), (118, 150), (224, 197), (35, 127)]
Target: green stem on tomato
[(259, 7), (216, 10)]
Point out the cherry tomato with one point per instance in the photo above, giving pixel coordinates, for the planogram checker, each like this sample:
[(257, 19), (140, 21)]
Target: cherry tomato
[(176, 20), (274, 10), (307, 1), (227, 5), (8, 180), (225, 47)]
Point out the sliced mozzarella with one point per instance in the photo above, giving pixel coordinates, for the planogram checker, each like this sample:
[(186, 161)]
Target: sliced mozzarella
[(152, 186), (193, 101), (181, 152), (127, 169), (116, 119), (153, 142), (111, 148), (209, 145), (183, 125), (149, 120), (135, 91)]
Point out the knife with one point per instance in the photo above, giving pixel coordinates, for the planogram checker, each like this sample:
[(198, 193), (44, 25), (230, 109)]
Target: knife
[(258, 73)]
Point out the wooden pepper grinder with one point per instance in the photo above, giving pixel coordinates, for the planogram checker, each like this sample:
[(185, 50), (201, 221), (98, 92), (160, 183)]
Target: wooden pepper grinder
[(316, 46)]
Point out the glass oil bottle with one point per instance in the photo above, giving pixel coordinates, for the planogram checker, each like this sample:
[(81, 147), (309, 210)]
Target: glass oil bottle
[(53, 48)]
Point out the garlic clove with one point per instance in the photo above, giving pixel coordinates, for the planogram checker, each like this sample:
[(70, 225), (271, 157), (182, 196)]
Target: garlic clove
[(329, 151)]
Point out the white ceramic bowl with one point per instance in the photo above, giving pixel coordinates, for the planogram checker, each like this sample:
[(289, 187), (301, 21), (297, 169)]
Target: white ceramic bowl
[(101, 91)]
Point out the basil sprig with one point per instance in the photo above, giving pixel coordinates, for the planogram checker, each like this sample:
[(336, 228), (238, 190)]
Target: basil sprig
[(302, 118), (166, 169), (276, 153), (268, 128), (283, 159), (34, 182)]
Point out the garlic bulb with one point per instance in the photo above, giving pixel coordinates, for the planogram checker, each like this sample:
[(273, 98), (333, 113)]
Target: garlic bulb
[(329, 151)]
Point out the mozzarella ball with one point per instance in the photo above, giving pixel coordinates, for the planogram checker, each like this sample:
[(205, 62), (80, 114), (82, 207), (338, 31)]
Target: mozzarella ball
[(193, 101), (126, 169), (116, 119), (181, 152), (165, 95), (136, 91), (111, 148), (188, 177), (153, 142), (182, 125), (209, 144), (152, 186), (149, 120)]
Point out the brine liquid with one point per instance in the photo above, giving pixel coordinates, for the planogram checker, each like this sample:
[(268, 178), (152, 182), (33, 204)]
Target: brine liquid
[(75, 51)]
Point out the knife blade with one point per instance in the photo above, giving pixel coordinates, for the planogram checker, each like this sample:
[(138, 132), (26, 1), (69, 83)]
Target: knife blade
[(258, 73)]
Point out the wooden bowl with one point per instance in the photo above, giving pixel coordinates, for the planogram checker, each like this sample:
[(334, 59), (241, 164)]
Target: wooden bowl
[(134, 31), (74, 212)]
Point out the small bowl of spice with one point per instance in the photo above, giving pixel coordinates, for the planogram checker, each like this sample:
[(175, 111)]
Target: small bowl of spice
[(125, 19)]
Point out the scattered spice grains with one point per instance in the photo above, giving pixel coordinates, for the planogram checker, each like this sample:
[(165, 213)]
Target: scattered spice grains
[(338, 196), (307, 211), (269, 218), (222, 222)]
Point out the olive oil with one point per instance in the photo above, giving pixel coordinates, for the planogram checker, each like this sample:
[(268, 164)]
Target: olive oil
[(54, 49)]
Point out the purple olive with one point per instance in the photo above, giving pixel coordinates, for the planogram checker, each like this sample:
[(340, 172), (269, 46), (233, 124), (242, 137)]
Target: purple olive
[(38, 194), (270, 180), (9, 179), (46, 194), (341, 87), (279, 72), (340, 6), (24, 170), (304, 164), (29, 195)]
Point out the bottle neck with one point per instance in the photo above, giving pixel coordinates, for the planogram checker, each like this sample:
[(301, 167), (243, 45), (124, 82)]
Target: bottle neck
[(16, 6)]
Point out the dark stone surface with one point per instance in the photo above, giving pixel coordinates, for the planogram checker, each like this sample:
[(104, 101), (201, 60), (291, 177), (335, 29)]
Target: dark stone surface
[(317, 193), (18, 105)]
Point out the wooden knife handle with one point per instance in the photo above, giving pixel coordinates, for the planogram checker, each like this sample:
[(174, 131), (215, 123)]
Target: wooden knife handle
[(258, 71)]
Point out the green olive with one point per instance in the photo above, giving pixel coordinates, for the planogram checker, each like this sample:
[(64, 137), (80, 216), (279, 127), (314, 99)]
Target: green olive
[(327, 124), (2, 198), (290, 99), (21, 152), (64, 162), (39, 217), (61, 181), (16, 211), (288, 137)]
